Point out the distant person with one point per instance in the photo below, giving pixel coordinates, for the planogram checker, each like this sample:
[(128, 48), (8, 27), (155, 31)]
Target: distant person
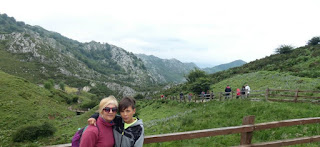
[(202, 94), (238, 92), (211, 95), (247, 90), (243, 92), (190, 96), (181, 96), (102, 133), (227, 90)]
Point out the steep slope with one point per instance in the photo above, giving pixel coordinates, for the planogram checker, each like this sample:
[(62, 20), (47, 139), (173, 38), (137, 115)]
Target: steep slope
[(164, 70), (37, 54), (22, 102), (222, 67)]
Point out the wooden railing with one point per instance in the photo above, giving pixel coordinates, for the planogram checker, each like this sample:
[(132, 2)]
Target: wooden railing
[(246, 130), (295, 96), (253, 94)]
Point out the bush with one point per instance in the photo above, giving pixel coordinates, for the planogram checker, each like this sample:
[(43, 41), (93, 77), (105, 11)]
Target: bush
[(314, 41), (75, 99), (284, 49), (62, 86), (48, 85), (33, 132), (90, 104), (138, 96)]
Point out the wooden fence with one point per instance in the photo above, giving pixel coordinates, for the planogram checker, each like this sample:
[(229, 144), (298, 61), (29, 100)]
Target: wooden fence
[(246, 129), (268, 94), (295, 97)]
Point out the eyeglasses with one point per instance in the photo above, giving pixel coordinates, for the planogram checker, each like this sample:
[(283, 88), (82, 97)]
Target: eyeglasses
[(107, 109)]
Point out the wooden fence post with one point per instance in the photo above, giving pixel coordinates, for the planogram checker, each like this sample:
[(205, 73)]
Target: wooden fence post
[(202, 97), (247, 136), (267, 94), (231, 94), (296, 96), (220, 96)]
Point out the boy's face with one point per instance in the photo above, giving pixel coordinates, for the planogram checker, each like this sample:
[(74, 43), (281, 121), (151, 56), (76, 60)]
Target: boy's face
[(127, 114)]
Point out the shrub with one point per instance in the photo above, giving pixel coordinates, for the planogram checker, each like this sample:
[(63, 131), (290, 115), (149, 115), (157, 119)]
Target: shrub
[(284, 49), (201, 84), (75, 99), (195, 74), (48, 85), (314, 41), (89, 104), (33, 132), (62, 86), (138, 96)]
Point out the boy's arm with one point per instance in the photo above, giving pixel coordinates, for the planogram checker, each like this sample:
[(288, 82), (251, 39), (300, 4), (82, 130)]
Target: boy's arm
[(139, 142), (93, 119)]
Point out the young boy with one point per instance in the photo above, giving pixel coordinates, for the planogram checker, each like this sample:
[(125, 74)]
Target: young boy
[(128, 131)]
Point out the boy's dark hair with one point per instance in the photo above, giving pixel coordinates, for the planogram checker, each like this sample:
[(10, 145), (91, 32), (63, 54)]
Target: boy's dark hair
[(127, 102)]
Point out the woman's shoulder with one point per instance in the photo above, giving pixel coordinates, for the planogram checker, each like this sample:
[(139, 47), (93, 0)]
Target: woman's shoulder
[(92, 129)]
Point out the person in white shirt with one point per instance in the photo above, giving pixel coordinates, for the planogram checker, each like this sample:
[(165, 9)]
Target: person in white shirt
[(247, 90)]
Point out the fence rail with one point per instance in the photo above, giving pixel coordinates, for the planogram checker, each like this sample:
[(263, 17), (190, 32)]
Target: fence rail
[(253, 93), (246, 131)]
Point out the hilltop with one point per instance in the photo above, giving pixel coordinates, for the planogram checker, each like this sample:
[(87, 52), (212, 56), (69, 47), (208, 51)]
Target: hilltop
[(222, 67)]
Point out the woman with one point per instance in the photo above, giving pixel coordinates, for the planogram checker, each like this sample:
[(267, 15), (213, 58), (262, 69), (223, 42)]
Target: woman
[(128, 131), (101, 135)]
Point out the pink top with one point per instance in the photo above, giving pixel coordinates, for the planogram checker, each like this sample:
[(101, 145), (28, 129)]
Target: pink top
[(91, 137)]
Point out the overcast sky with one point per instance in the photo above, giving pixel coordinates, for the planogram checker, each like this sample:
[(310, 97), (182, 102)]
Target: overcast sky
[(207, 33)]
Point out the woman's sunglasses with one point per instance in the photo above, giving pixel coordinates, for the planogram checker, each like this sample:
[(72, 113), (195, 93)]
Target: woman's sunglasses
[(114, 109)]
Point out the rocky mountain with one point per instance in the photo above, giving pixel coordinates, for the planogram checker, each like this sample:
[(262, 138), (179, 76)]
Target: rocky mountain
[(166, 70), (38, 55), (226, 66), (172, 70)]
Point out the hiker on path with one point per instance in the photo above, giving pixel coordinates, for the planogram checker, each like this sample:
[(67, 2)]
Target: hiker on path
[(227, 91)]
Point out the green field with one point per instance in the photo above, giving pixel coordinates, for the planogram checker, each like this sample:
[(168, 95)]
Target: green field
[(167, 116)]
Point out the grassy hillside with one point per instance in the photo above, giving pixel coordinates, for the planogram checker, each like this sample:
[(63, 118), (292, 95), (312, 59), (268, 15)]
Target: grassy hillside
[(162, 117), (302, 62), (22, 103), (25, 103), (262, 80)]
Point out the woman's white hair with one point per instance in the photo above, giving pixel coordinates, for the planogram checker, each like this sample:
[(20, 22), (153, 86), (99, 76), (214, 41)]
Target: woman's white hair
[(106, 101)]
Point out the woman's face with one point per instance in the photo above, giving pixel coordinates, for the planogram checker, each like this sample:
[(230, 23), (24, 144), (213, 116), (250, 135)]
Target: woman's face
[(109, 112)]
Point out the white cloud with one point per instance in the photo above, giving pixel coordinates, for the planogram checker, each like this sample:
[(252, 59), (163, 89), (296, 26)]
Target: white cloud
[(206, 32)]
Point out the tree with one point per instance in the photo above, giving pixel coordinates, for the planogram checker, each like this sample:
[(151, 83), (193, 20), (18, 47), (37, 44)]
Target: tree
[(195, 74), (314, 41), (201, 84), (62, 86), (284, 49)]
